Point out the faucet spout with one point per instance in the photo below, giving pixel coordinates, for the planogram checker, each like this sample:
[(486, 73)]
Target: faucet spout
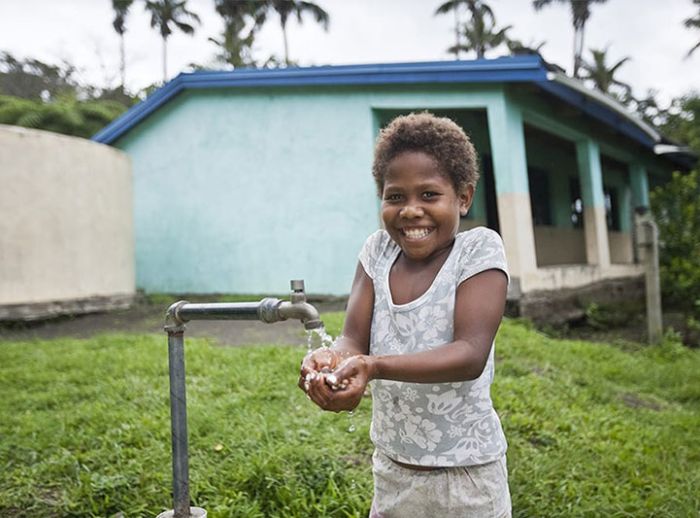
[(303, 311)]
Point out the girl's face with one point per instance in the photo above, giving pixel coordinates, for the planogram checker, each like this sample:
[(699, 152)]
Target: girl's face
[(420, 208)]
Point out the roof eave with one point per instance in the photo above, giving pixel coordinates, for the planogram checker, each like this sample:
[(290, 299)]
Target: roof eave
[(605, 100), (524, 68)]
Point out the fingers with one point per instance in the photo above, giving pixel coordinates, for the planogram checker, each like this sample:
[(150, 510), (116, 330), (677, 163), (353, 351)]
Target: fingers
[(337, 390), (319, 391), (335, 383), (318, 359)]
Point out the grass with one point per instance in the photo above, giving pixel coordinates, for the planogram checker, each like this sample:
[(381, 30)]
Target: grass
[(593, 430)]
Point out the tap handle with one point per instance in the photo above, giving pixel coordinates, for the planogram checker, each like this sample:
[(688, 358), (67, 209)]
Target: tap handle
[(298, 294)]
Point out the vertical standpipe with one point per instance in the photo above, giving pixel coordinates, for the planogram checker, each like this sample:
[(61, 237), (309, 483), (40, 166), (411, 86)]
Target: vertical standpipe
[(648, 242), (267, 310), (178, 418)]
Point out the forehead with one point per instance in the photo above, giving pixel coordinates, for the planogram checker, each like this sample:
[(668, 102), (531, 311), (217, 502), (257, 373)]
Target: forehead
[(414, 167)]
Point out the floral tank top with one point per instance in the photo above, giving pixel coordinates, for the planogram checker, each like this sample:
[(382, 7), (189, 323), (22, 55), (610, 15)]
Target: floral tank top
[(431, 424)]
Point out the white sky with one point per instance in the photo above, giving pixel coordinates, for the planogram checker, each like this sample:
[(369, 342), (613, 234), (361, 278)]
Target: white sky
[(361, 31)]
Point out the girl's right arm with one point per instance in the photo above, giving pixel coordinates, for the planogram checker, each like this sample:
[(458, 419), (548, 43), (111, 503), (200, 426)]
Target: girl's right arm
[(353, 341)]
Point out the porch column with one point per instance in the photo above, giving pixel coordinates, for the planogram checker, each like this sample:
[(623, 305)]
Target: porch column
[(640, 186), (595, 227), (512, 191)]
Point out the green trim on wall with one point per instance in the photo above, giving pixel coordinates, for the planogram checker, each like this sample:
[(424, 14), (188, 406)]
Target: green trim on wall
[(640, 185), (508, 147), (588, 157)]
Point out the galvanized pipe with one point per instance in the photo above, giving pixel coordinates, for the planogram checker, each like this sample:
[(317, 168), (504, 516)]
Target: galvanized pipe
[(219, 311), (267, 310), (178, 422)]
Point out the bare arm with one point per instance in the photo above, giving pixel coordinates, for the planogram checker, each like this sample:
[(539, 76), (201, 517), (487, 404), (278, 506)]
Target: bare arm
[(355, 337), (479, 305), (358, 316)]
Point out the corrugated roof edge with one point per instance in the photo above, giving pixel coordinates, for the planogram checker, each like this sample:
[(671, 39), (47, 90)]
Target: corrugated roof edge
[(507, 69), (504, 69)]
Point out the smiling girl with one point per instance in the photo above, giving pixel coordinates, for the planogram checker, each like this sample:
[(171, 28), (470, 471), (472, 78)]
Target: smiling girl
[(422, 315)]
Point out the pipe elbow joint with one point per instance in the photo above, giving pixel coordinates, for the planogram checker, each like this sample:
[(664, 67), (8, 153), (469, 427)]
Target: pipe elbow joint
[(302, 311), (173, 322)]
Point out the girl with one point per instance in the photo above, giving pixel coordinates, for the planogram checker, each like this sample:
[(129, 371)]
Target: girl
[(423, 311)]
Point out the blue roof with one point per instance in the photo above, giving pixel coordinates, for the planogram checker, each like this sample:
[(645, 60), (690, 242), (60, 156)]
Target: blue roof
[(511, 69)]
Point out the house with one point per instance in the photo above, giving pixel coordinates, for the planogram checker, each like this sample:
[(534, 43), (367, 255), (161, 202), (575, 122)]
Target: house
[(246, 179)]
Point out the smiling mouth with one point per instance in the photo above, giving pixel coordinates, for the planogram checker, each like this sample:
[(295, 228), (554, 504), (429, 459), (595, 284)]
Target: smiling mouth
[(416, 233)]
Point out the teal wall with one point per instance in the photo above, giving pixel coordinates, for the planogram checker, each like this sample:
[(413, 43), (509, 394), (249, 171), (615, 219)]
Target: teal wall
[(239, 191)]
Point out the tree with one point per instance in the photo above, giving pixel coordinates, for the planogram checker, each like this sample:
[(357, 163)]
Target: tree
[(285, 8), (580, 12), (242, 19), (677, 213), (66, 115), (479, 31), (33, 79), (517, 47), (603, 77), (682, 121), (121, 9), (454, 6), (676, 208), (164, 15), (693, 23), (648, 108)]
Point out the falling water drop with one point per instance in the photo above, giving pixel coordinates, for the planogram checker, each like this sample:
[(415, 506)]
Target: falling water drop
[(351, 418)]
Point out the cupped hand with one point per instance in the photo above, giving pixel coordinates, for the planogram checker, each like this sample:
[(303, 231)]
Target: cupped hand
[(344, 388), (320, 361)]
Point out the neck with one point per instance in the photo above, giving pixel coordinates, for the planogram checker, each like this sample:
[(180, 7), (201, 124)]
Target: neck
[(439, 256)]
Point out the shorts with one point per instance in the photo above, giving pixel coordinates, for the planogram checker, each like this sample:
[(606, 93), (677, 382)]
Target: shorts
[(463, 491)]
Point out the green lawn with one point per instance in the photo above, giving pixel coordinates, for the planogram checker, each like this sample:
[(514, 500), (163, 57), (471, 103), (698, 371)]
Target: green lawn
[(594, 430)]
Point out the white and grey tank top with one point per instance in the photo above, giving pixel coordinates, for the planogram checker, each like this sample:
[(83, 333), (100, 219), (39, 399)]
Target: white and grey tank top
[(431, 424)]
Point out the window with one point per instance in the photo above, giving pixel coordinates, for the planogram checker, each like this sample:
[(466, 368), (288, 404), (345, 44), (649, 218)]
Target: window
[(612, 208), (538, 181), (576, 202)]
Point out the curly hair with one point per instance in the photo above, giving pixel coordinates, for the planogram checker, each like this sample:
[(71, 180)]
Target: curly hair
[(438, 137)]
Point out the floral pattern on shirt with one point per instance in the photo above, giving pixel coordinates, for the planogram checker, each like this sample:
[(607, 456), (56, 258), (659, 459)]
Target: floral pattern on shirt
[(444, 424)]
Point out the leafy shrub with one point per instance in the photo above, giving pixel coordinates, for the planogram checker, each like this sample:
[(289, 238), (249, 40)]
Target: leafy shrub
[(66, 115), (676, 207)]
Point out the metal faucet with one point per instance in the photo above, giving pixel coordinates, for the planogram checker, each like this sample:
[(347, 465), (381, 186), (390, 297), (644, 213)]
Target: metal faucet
[(267, 310)]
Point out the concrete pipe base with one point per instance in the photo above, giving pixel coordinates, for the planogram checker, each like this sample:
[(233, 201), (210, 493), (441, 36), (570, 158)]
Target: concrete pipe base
[(195, 512)]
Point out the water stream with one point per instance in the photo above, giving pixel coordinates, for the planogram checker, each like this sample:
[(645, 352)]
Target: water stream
[(319, 339)]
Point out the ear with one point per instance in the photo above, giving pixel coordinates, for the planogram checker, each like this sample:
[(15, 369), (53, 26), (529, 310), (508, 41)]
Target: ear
[(465, 200)]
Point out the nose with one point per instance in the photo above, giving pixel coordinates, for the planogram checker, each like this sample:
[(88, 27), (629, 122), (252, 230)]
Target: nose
[(411, 211)]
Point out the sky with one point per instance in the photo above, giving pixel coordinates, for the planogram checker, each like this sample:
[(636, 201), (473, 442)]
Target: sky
[(650, 32)]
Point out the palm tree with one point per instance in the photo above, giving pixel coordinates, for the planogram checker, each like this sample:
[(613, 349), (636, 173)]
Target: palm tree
[(518, 48), (285, 8), (580, 12), (480, 32), (239, 15), (603, 77), (165, 13), (693, 23), (121, 9), (454, 6)]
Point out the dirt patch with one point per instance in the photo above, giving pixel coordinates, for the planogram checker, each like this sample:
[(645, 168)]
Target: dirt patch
[(145, 317), (634, 401)]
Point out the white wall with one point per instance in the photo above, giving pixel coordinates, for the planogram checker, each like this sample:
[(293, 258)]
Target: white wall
[(66, 224)]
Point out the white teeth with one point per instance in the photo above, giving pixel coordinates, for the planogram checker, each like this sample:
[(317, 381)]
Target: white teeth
[(416, 233)]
